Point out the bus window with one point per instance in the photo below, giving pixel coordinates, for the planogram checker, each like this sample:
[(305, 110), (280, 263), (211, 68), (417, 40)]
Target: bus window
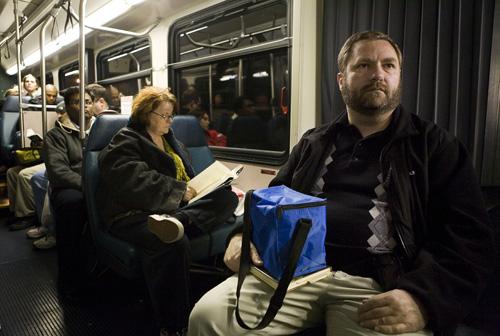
[(237, 28), (133, 56), (232, 63), (69, 74), (124, 69), (49, 79)]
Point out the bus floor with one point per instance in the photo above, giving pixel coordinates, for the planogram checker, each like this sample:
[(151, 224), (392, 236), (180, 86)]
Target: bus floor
[(30, 305)]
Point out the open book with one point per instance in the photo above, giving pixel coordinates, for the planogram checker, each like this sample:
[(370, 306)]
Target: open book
[(213, 177), (295, 283)]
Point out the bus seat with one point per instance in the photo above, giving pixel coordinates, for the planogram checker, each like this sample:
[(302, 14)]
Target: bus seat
[(9, 119), (187, 130), (119, 255)]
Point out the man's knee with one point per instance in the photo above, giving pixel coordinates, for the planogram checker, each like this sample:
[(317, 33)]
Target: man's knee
[(204, 317)]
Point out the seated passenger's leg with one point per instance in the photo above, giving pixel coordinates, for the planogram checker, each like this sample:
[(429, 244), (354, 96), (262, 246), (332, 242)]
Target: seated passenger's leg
[(166, 270), (12, 176), (214, 314), (39, 183), (70, 218), (344, 296), (25, 203), (212, 210)]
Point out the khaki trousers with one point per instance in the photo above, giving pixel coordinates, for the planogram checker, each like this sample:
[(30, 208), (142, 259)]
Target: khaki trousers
[(21, 199), (333, 300)]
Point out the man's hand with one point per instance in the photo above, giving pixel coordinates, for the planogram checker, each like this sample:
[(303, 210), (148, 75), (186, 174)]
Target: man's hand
[(392, 312), (233, 254), (188, 194)]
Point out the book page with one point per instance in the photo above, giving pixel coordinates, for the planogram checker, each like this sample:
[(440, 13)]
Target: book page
[(213, 177)]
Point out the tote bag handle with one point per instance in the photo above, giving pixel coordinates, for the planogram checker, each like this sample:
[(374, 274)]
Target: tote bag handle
[(298, 239)]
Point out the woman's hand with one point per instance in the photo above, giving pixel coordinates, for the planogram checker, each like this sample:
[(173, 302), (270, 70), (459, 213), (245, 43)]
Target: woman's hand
[(233, 254), (188, 194)]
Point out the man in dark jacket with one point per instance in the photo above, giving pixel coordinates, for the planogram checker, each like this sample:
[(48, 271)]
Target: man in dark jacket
[(62, 153), (407, 236)]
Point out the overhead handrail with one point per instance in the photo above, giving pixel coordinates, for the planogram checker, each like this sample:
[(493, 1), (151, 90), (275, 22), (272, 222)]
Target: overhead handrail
[(30, 29), (81, 51), (12, 34), (115, 30)]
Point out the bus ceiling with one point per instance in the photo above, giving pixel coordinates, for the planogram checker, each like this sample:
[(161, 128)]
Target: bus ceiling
[(61, 33)]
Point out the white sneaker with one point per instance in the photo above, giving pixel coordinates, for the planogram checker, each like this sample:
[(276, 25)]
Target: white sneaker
[(45, 243), (37, 232), (168, 229)]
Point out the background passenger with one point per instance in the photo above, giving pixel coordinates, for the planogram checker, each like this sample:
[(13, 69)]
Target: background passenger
[(245, 129), (62, 153), (30, 86), (190, 101), (13, 91), (144, 171), (407, 231), (263, 107), (51, 93), (213, 137), (115, 98), (219, 108), (100, 99), (21, 199), (20, 193), (44, 234)]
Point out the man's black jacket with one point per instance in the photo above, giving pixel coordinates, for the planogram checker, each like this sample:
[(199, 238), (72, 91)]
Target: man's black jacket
[(445, 241)]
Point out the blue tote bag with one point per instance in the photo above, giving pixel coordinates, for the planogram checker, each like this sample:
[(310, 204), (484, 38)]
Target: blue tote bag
[(275, 213), (288, 229)]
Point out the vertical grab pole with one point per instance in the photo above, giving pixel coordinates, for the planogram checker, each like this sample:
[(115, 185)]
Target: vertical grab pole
[(81, 51), (19, 81), (42, 70)]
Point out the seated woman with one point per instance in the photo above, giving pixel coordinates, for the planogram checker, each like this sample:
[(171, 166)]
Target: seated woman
[(144, 171), (213, 137)]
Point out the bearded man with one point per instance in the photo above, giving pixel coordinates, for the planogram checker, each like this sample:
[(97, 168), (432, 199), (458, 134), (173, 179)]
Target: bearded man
[(408, 237)]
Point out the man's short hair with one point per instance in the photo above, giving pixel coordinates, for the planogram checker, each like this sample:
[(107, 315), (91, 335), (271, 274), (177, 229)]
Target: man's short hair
[(70, 92), (346, 50), (189, 95), (98, 91)]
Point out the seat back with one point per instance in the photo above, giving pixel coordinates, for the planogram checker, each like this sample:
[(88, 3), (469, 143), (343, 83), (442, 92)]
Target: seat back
[(9, 124), (187, 130), (121, 256)]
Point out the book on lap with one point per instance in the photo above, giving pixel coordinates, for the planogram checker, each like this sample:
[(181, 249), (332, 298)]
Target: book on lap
[(213, 177), (295, 283)]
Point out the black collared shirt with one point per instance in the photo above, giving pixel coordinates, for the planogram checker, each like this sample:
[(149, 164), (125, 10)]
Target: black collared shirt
[(349, 187)]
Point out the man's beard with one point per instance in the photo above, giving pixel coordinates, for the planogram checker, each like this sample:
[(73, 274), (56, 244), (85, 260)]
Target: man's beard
[(369, 101)]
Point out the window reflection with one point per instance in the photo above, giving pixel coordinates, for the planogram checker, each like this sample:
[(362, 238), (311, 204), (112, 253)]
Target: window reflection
[(247, 97)]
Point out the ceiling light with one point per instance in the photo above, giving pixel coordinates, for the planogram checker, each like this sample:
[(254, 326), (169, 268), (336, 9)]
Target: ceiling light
[(227, 77), (100, 17), (260, 74)]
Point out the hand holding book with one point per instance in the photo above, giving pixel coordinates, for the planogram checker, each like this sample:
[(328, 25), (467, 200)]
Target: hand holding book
[(213, 177)]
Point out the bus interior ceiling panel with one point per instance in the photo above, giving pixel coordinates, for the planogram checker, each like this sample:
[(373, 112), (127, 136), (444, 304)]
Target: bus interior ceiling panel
[(144, 14)]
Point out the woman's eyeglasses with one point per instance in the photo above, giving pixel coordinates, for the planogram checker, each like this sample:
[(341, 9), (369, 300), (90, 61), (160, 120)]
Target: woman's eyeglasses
[(164, 116)]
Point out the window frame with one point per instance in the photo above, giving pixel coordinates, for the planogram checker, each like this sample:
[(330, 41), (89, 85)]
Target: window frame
[(116, 49), (268, 157)]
